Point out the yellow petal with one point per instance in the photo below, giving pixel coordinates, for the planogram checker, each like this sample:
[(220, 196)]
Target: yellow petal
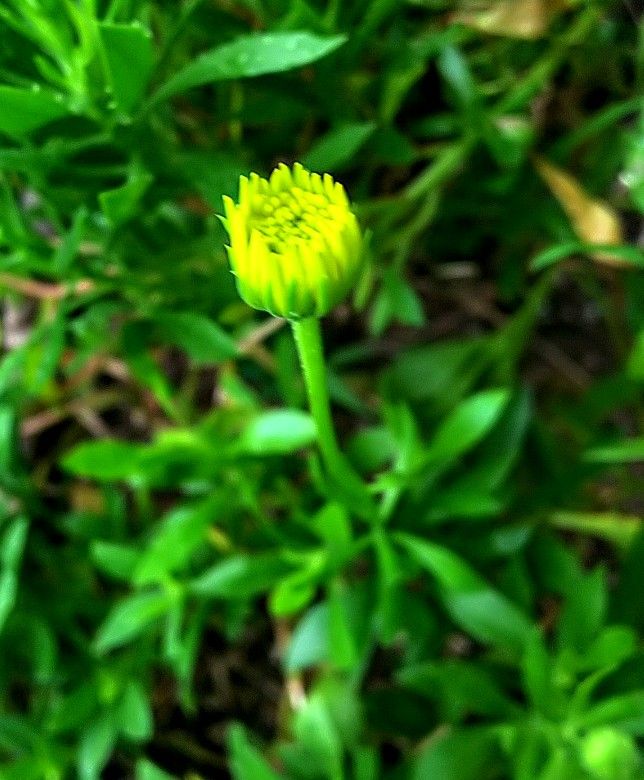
[(316, 184), (302, 176), (287, 178), (340, 195), (236, 232)]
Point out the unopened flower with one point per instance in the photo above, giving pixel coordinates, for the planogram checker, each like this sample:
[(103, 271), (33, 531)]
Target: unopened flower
[(295, 245)]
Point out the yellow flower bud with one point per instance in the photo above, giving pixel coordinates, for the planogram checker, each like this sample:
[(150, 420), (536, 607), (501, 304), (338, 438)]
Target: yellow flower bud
[(296, 248)]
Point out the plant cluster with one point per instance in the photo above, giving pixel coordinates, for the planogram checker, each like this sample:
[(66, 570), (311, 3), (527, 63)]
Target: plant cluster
[(196, 580)]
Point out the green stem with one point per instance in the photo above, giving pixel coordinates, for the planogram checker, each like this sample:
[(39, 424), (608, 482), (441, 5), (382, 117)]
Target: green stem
[(308, 338), (347, 485)]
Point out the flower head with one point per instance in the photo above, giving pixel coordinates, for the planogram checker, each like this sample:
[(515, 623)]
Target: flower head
[(295, 245)]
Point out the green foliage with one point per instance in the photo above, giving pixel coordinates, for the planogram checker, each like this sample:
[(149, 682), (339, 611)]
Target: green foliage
[(473, 610)]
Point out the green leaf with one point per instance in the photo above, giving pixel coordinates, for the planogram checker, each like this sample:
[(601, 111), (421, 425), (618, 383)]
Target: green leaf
[(105, 460), (439, 372), (620, 530), (451, 571), (17, 733), (500, 450), (627, 254), (75, 709), (390, 574), (371, 449), (454, 68), (561, 763), (13, 543), (629, 594), (129, 617), (625, 451), (134, 713), (295, 591), (338, 147), (537, 676), (292, 593), (343, 652), (584, 611), (97, 741), (38, 645), (48, 350), (475, 606), (146, 770), (24, 110), (390, 147), (366, 763), (178, 455), (509, 140), (66, 251), (461, 502), (310, 640), (317, 742), (333, 526), (490, 617), (467, 425), (203, 340), (246, 762), (396, 301), (611, 647), (278, 432), (116, 560), (463, 689), (558, 568), (11, 550), (128, 53), (609, 754), (615, 710), (251, 55), (25, 768), (121, 203), (460, 755), (240, 576), (11, 471), (635, 365), (176, 538)]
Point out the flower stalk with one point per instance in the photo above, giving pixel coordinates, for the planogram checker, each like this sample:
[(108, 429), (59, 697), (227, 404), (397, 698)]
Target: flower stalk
[(296, 251), (308, 339)]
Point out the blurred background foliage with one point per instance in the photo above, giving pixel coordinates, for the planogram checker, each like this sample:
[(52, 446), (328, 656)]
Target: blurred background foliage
[(182, 592)]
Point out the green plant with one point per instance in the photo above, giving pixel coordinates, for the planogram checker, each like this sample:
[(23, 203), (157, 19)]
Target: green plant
[(453, 590)]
